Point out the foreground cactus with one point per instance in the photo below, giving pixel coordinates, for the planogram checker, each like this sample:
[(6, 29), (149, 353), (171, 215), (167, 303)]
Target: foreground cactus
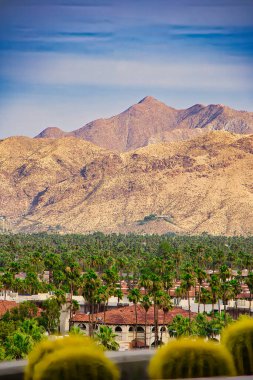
[(186, 358), (238, 338), (48, 346), (76, 363)]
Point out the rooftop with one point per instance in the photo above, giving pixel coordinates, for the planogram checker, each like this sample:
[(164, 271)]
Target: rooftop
[(126, 316), (6, 305)]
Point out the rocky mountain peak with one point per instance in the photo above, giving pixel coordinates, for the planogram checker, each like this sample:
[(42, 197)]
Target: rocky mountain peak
[(148, 99), (52, 133), (152, 120)]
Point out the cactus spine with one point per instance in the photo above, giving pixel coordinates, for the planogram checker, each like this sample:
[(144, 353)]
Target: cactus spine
[(238, 338), (46, 347), (75, 363), (186, 358)]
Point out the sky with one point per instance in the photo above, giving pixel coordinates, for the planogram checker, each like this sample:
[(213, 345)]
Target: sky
[(64, 63)]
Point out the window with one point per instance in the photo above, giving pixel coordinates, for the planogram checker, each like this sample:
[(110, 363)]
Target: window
[(82, 326)]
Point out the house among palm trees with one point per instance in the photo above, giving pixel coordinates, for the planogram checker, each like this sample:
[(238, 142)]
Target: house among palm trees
[(6, 305), (123, 323)]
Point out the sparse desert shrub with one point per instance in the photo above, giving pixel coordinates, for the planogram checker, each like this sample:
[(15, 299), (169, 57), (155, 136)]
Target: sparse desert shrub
[(187, 358), (146, 219)]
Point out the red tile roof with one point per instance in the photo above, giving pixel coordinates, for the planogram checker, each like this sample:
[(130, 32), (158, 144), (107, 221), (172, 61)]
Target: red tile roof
[(244, 295), (6, 305), (126, 316)]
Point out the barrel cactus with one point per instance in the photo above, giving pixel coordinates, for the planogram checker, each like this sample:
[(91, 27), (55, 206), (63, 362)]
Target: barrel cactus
[(46, 347), (186, 358), (75, 363), (238, 338)]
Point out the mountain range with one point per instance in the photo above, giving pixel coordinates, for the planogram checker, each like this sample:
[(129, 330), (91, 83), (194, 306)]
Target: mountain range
[(150, 169), (152, 121)]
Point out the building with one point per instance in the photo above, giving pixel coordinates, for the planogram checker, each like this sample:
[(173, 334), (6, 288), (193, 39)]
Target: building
[(123, 321), (6, 305)]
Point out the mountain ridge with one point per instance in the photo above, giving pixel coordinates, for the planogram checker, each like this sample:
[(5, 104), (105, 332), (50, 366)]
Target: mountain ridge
[(151, 120), (69, 185)]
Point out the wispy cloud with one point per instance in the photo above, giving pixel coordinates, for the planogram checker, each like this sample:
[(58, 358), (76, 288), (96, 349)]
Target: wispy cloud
[(57, 69)]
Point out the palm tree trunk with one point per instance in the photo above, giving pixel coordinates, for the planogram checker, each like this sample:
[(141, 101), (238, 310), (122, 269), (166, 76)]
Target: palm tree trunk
[(135, 309), (71, 306), (92, 311), (89, 325), (213, 305), (104, 312), (189, 304), (145, 331), (156, 325), (224, 304), (219, 305), (163, 327), (199, 300)]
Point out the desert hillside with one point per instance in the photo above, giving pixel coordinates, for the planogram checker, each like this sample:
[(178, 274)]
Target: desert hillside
[(70, 185), (153, 121)]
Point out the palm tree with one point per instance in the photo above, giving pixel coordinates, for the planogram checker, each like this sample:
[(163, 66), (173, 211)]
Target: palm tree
[(111, 277), (75, 330), (200, 276), (236, 289), (187, 283), (32, 328), (7, 281), (249, 282), (102, 296), (180, 326), (166, 306), (225, 286), (155, 287), (91, 284), (226, 294), (52, 262), (145, 281), (224, 273), (32, 283), (146, 304), (119, 294), (72, 273), (179, 293), (214, 289), (18, 345), (134, 296), (106, 337), (205, 296)]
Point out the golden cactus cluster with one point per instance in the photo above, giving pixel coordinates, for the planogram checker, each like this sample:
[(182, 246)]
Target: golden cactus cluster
[(77, 357), (73, 357)]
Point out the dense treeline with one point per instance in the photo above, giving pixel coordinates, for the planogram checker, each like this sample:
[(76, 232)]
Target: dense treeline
[(206, 251), (93, 265)]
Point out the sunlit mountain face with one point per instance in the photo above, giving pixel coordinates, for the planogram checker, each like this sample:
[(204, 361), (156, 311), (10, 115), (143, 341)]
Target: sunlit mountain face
[(151, 121), (69, 185)]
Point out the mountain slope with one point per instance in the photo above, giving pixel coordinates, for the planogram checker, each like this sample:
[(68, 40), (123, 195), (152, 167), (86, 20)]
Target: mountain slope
[(152, 121), (52, 133), (195, 186)]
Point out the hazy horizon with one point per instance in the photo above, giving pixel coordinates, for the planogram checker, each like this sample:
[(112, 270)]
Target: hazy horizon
[(67, 62)]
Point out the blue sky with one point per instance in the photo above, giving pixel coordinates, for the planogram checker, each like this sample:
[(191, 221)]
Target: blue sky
[(66, 62)]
